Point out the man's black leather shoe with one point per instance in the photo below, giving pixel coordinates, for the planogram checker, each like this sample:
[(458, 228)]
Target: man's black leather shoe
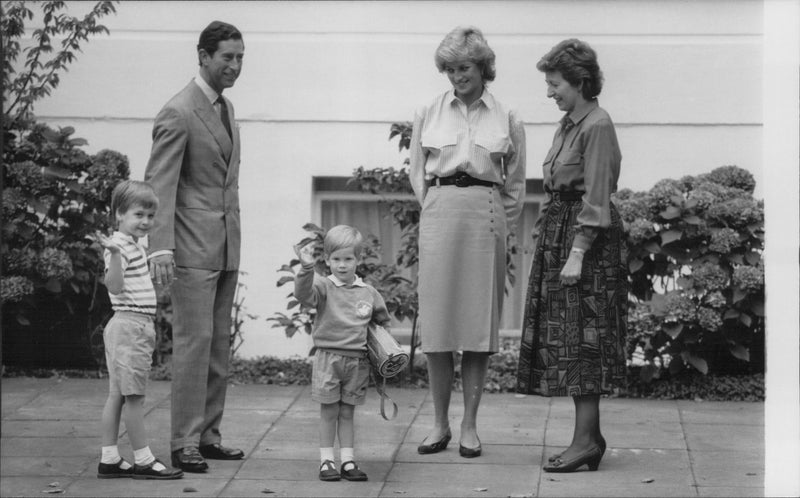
[(218, 452), (189, 460)]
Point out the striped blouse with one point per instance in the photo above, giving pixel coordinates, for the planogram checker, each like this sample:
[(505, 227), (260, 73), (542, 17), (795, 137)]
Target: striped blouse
[(138, 293), (486, 140)]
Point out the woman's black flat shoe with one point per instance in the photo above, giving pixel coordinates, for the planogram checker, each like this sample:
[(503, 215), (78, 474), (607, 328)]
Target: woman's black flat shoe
[(469, 452), (590, 457), (436, 447)]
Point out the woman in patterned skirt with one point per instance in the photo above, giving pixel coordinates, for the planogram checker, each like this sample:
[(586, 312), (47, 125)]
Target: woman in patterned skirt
[(573, 337), (468, 173)]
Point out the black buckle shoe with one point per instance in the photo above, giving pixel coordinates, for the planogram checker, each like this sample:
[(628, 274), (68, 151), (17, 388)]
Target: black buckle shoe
[(113, 470), (148, 472), (354, 473), (328, 472)]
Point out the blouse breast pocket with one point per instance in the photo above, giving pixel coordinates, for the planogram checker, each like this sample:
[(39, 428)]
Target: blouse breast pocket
[(496, 145), (570, 158), (437, 140)]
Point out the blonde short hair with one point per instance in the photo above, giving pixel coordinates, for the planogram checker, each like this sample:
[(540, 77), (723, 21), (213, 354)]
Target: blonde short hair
[(342, 237), (128, 193), (466, 43)]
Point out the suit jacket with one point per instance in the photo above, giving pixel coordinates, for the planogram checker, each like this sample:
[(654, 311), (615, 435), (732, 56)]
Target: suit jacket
[(194, 169)]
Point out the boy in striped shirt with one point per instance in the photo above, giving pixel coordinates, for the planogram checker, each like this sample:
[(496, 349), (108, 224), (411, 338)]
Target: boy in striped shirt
[(130, 335)]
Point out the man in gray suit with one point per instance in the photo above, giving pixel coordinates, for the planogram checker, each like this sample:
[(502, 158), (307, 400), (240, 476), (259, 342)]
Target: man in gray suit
[(194, 245)]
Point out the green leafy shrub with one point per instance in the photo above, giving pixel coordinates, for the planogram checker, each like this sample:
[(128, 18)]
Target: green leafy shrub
[(695, 255), (54, 193)]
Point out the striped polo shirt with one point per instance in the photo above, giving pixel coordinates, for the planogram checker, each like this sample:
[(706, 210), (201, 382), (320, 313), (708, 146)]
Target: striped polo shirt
[(138, 293)]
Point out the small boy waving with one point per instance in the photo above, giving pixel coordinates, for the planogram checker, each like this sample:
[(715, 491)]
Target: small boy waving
[(345, 306), (129, 336)]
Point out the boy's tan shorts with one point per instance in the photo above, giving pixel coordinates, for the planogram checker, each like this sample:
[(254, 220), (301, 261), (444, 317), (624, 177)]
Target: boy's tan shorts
[(130, 339), (336, 377)]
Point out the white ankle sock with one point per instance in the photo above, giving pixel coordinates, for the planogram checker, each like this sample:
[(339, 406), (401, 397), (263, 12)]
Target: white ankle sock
[(144, 456), (110, 455), (325, 454), (347, 455)]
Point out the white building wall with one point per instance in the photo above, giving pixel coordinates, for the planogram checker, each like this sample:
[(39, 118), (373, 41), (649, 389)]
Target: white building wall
[(323, 81)]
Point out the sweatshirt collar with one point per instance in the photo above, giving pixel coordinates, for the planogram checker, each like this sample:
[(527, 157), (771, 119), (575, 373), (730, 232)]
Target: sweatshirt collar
[(358, 282)]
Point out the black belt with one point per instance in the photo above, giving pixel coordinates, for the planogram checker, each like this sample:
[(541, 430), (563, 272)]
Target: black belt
[(460, 179), (567, 195)]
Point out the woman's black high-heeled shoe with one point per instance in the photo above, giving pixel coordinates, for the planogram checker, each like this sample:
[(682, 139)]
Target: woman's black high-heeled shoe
[(600, 442), (590, 457), (424, 449)]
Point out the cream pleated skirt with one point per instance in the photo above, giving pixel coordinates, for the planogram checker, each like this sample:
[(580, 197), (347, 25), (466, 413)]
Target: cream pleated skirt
[(462, 269)]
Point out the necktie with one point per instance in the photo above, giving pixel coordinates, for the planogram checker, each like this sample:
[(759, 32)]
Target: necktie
[(566, 125), (223, 114)]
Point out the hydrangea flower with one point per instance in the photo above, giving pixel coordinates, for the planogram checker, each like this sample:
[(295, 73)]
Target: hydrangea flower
[(679, 308), (750, 278), (13, 200), (19, 261), (640, 230), (663, 192), (723, 240), (715, 300), (631, 205), (737, 212), (709, 319), (14, 288), (733, 176), (54, 263), (709, 276)]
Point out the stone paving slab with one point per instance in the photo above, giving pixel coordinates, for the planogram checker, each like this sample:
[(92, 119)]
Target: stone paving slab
[(50, 433), (256, 487)]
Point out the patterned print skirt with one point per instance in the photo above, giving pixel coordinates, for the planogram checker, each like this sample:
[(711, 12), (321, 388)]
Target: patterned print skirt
[(573, 337)]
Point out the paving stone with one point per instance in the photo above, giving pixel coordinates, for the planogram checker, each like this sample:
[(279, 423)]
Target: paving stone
[(305, 470), (33, 486), (716, 412), (287, 449), (135, 487), (51, 428), (656, 448), (449, 479), (729, 468), (716, 437), (38, 466), (256, 487), (49, 446), (724, 492)]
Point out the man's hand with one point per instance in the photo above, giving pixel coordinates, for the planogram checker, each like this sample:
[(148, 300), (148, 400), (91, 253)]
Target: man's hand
[(306, 253), (162, 269)]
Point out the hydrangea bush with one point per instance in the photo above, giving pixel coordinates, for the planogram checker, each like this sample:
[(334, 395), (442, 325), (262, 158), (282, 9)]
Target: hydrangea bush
[(54, 193), (695, 249)]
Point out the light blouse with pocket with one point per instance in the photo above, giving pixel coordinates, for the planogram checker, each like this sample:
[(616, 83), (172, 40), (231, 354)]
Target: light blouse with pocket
[(486, 141)]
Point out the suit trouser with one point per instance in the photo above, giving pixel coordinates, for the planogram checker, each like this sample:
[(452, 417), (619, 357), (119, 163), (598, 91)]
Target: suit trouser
[(201, 330)]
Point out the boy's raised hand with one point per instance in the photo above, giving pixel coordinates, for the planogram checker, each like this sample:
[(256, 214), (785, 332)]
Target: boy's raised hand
[(106, 242), (305, 252)]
